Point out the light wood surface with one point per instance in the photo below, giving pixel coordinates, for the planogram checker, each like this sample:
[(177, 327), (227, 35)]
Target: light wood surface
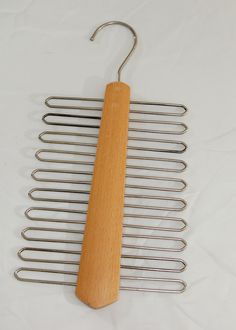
[(99, 270)]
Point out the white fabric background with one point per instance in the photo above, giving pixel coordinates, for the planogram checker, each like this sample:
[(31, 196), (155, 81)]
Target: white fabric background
[(186, 54)]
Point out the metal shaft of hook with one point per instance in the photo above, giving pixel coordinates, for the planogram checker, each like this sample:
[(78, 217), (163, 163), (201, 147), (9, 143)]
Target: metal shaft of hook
[(135, 41)]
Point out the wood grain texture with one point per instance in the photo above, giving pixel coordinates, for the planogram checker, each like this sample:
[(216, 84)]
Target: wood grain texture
[(99, 271)]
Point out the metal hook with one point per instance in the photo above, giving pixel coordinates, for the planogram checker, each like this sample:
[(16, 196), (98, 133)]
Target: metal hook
[(135, 39)]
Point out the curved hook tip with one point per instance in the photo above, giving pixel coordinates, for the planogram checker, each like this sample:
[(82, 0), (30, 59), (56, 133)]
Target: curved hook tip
[(92, 37)]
